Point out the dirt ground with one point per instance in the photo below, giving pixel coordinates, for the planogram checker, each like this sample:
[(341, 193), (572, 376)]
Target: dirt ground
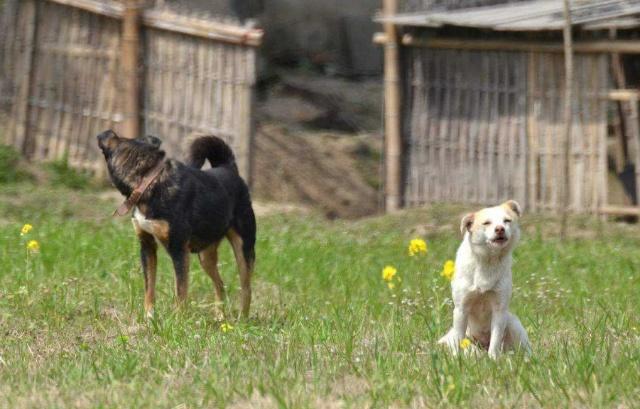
[(318, 144)]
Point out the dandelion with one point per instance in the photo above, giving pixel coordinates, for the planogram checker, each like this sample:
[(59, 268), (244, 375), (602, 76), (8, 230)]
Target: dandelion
[(465, 343), (26, 229), (225, 327), (451, 386), (417, 246), (388, 273), (33, 246), (448, 270)]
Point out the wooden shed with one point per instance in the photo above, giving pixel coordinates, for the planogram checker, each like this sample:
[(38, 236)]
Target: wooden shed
[(474, 103)]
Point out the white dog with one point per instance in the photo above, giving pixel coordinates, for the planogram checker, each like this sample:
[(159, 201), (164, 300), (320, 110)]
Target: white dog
[(481, 286)]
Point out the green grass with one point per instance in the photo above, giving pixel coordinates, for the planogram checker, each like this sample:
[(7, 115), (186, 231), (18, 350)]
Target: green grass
[(10, 171), (325, 330)]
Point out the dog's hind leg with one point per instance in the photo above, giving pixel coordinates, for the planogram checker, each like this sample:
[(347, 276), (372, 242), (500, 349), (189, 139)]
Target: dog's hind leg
[(180, 258), (209, 262), (245, 269), (149, 261), (516, 336)]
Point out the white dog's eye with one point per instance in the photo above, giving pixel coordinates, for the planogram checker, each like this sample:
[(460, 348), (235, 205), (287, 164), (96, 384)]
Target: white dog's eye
[(507, 220), (488, 222)]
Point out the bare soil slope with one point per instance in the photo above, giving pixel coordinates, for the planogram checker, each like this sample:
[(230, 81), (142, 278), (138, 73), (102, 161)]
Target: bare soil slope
[(318, 144), (317, 169)]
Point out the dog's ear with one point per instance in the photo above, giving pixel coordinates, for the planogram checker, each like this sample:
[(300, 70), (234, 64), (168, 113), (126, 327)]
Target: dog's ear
[(514, 206), (151, 140), (467, 221)]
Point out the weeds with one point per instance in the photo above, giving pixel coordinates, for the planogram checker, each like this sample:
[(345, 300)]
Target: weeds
[(326, 330)]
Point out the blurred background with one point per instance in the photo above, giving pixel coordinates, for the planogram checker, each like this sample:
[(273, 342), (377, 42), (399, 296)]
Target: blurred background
[(474, 96), (314, 79)]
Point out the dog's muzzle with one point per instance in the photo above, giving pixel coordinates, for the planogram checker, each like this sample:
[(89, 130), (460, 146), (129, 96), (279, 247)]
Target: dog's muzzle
[(499, 239), (104, 137)]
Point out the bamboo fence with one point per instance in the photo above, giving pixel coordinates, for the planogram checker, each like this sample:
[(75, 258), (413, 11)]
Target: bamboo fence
[(62, 79), (485, 126)]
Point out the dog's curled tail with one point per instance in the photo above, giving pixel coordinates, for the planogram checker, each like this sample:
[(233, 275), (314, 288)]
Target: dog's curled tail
[(213, 149)]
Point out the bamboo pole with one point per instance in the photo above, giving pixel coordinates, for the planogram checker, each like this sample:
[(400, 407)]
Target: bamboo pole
[(568, 97), (619, 124), (393, 142), (19, 122), (633, 119), (244, 121), (620, 210), (130, 55), (109, 9), (601, 120), (590, 46), (173, 22), (622, 95), (226, 33)]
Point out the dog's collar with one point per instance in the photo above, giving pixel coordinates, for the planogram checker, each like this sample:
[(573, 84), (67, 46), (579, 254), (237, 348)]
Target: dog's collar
[(134, 197)]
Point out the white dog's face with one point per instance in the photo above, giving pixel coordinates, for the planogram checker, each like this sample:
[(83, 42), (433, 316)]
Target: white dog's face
[(493, 230)]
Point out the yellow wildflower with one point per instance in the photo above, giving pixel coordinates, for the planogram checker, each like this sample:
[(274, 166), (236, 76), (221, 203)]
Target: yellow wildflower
[(465, 343), (448, 270), (33, 246), (388, 273), (417, 246), (26, 229), (391, 286), (451, 386), (225, 327)]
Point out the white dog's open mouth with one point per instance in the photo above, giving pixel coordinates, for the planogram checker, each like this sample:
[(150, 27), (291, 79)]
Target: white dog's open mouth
[(499, 240)]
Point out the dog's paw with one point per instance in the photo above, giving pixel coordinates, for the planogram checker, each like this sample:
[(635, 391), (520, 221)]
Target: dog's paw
[(451, 342), (219, 313), (494, 354)]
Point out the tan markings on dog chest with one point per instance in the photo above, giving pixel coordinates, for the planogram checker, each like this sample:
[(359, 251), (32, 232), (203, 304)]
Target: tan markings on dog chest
[(158, 228)]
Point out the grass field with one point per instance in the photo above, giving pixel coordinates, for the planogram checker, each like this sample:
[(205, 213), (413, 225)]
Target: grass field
[(325, 330)]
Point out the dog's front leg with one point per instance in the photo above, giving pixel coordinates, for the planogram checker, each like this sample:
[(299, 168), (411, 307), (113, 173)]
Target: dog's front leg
[(499, 320), (180, 258), (457, 331), (460, 320)]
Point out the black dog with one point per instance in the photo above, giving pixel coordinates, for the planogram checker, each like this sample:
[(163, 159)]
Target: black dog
[(186, 209)]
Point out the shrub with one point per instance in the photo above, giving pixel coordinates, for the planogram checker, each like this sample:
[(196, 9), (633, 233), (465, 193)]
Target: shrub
[(9, 159), (61, 174)]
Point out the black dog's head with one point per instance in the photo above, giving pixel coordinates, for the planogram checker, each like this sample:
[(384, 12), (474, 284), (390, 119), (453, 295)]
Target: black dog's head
[(128, 160)]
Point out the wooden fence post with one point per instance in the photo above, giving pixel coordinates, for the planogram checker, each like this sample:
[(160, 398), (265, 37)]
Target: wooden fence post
[(130, 60), (633, 119), (568, 101), (245, 115), (19, 120), (392, 120), (620, 115)]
